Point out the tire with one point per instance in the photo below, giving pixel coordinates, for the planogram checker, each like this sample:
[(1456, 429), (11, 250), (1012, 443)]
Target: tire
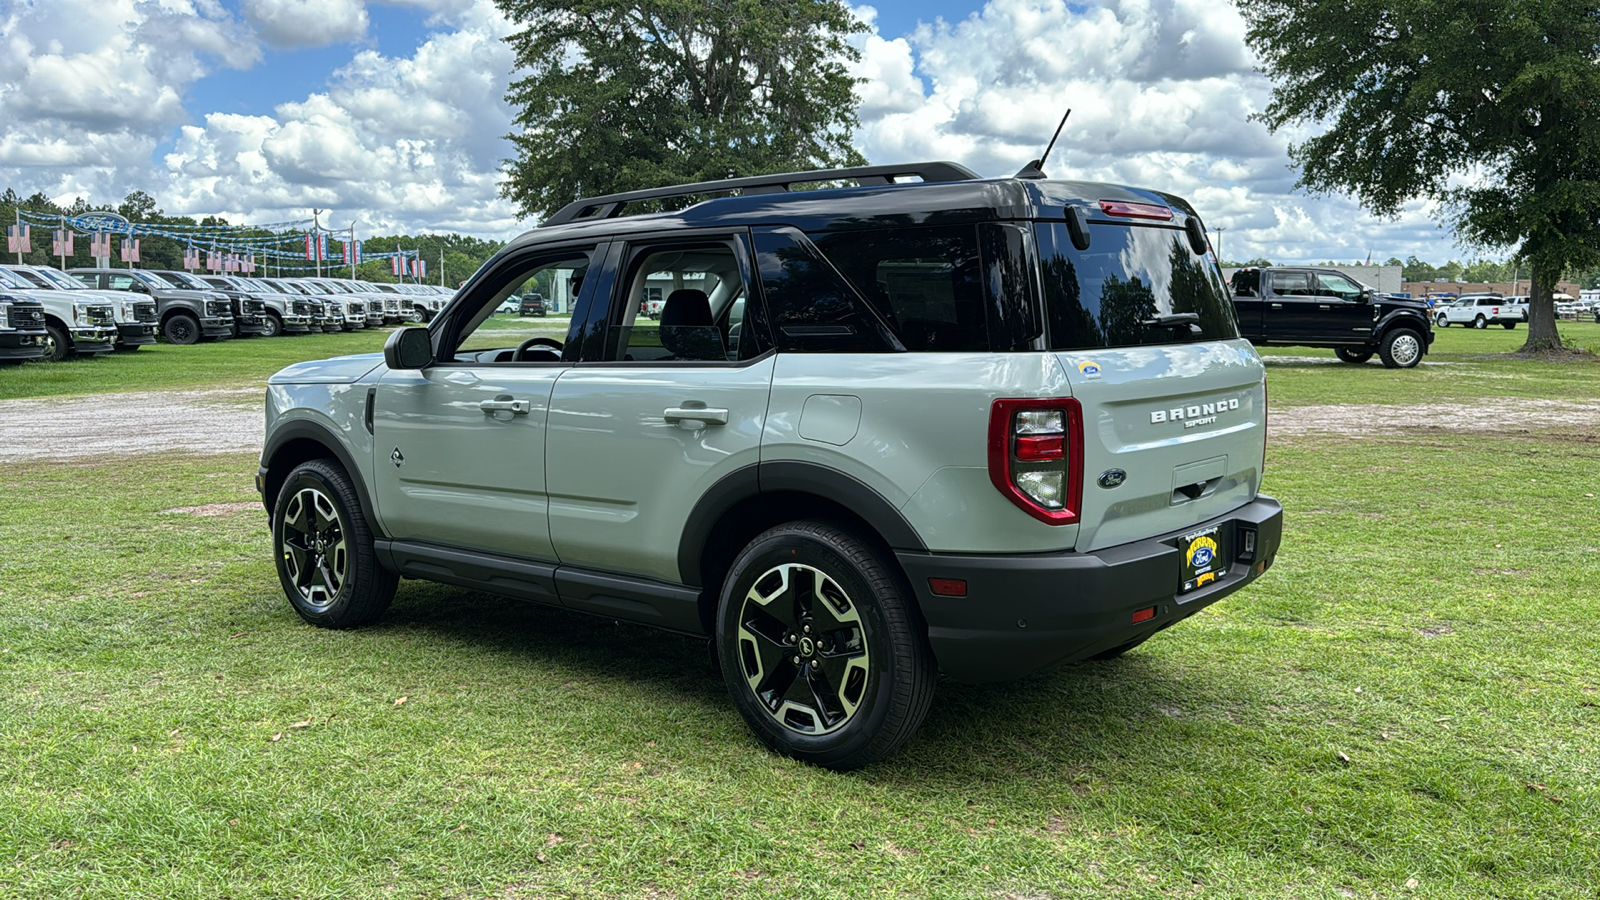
[(1480, 322), (272, 325), (181, 328), (1401, 348), (1509, 326), (57, 343), (1356, 357), (1442, 322), (874, 694), (322, 545)]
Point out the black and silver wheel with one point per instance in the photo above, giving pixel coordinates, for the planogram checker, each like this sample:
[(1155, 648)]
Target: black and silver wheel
[(821, 646), (323, 548), (57, 344), (1441, 321), (1401, 349), (1480, 322), (1350, 355), (271, 325), (181, 328)]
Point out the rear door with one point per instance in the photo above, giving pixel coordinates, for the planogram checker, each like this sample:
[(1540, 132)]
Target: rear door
[(1173, 417), (654, 414), (1290, 313)]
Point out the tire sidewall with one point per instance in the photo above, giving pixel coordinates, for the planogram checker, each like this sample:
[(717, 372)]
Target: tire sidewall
[(60, 346), (317, 474), (762, 555), (274, 326), (180, 321)]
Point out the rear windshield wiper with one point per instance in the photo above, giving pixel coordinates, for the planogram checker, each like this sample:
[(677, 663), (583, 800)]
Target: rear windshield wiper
[(1173, 320)]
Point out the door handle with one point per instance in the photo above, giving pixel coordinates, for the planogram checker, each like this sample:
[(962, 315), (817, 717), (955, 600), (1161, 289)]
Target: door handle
[(515, 407), (676, 414), (1277, 306)]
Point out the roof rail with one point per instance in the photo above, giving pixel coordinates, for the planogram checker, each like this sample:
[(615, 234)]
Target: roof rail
[(611, 205)]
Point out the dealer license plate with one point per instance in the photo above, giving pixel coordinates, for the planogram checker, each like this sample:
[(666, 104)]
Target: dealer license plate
[(1203, 559)]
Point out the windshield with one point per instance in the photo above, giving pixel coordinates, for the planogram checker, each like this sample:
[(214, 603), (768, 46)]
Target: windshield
[(184, 279), (162, 279), (9, 279), (34, 279), (1134, 286)]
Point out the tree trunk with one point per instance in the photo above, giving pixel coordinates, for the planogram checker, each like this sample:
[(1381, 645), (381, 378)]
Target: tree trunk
[(1542, 334)]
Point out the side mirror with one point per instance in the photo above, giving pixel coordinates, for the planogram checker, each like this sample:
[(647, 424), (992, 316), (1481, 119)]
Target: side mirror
[(139, 288), (408, 348)]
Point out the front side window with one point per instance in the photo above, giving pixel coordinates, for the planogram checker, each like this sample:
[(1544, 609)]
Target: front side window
[(1134, 286), (484, 337), (1339, 286)]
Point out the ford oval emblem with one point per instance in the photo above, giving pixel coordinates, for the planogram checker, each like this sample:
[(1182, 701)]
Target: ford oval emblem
[(1111, 478)]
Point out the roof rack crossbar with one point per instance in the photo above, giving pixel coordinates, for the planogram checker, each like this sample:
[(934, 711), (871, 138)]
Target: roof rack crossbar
[(611, 205)]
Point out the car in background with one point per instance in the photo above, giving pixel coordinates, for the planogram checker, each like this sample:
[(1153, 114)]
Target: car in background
[(1480, 311), (76, 323), (136, 317), (532, 305)]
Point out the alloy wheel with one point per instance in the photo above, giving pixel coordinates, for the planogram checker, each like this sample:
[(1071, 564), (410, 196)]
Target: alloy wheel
[(802, 649), (315, 554), (1405, 350)]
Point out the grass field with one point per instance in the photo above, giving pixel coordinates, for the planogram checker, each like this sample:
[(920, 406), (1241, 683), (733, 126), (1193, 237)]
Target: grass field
[(1406, 706)]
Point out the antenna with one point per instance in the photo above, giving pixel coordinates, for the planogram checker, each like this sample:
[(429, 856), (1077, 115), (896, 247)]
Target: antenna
[(1034, 171)]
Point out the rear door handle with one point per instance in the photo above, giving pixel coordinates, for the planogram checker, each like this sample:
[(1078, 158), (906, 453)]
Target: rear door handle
[(515, 407), (676, 414), (1277, 306)]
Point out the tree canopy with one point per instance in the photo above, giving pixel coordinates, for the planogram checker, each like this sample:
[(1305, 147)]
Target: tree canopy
[(1487, 106), (628, 95)]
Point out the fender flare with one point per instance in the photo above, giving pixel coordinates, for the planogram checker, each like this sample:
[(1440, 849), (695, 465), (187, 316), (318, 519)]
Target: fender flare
[(304, 429), (1402, 319), (789, 476)]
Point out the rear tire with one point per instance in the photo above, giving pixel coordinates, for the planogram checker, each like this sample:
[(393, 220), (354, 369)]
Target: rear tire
[(1355, 357), (181, 328), (816, 593), (1401, 349), (1509, 326), (322, 545), (1480, 322), (1441, 321)]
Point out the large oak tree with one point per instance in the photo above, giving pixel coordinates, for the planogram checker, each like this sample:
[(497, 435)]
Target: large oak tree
[(625, 95), (1488, 106)]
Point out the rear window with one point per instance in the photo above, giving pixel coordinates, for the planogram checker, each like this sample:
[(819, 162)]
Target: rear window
[(1134, 286)]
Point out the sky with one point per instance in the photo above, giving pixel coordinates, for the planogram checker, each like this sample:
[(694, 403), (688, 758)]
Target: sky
[(391, 113)]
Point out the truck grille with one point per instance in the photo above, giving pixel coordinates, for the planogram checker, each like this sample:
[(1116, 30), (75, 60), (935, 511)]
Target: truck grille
[(26, 318), (255, 308), (215, 308), (357, 308), (146, 312), (101, 315), (301, 308)]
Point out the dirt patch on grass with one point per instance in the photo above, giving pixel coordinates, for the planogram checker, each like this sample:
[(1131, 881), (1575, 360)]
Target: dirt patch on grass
[(212, 509), (225, 421), (1382, 420)]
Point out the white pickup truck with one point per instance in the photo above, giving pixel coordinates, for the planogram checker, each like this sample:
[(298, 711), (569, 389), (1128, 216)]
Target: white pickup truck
[(1480, 311)]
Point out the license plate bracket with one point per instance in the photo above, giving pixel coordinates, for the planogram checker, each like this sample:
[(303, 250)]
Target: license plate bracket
[(1204, 561)]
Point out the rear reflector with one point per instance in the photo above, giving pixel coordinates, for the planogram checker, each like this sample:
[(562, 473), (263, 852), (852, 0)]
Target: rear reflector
[(948, 587), (1128, 210), (1144, 615)]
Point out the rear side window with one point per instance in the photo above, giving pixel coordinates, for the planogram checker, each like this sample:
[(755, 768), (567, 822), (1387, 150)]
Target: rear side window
[(1134, 286), (925, 282), (812, 308), (1292, 284)]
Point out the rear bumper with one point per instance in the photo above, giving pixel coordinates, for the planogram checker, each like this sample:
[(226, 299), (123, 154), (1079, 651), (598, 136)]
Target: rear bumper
[(1026, 613), (21, 345)]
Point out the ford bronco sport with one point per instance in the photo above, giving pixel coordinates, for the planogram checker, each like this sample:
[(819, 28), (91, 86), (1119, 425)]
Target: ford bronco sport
[(982, 427)]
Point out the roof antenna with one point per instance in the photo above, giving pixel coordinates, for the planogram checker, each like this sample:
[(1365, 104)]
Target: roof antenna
[(1034, 171)]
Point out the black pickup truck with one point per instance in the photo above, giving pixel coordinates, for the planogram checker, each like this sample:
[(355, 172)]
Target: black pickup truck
[(1308, 307)]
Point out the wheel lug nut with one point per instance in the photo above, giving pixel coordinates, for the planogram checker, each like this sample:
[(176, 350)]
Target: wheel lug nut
[(808, 629), (797, 660), (815, 664)]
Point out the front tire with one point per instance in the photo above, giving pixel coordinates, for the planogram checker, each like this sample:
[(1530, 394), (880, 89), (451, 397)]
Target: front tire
[(822, 648), (323, 548), (181, 328), (1355, 357), (271, 325), (1401, 349), (57, 344)]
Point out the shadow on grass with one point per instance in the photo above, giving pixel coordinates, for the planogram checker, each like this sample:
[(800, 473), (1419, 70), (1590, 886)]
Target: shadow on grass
[(1039, 727)]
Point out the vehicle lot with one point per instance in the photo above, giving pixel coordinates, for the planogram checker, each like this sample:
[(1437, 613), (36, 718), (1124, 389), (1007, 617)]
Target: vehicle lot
[(1405, 705)]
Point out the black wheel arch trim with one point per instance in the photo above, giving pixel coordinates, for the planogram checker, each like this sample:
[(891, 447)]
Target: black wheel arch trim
[(301, 429), (796, 477)]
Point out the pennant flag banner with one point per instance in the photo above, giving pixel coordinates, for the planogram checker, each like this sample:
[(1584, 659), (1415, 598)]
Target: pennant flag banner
[(130, 251), (214, 261), (191, 258), (397, 264), (19, 239), (352, 253), (62, 242)]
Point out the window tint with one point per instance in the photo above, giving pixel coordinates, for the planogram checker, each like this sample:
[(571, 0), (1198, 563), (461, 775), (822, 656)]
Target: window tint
[(925, 282), (1115, 293), (1292, 284), (684, 303), (811, 307)]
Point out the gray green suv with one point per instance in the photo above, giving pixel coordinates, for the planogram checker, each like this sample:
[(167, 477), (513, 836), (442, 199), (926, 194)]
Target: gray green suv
[(928, 423)]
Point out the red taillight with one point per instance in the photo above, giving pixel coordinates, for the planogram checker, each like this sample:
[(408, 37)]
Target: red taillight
[(1127, 210), (1036, 456)]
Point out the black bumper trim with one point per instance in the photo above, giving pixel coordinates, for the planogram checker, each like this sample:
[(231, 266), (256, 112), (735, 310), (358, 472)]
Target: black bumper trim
[(135, 334), (21, 345), (1025, 613)]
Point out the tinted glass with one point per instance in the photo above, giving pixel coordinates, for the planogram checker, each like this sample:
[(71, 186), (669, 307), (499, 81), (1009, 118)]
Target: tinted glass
[(924, 282), (1115, 293), (1339, 286), (811, 307), (1292, 284)]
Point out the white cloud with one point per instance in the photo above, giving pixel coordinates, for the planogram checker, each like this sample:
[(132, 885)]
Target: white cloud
[(307, 23)]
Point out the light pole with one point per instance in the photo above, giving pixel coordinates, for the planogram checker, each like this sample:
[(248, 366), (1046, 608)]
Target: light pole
[(316, 238)]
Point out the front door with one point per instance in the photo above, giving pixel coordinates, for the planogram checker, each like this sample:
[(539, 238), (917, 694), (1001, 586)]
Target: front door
[(1343, 315), (460, 445), (657, 412)]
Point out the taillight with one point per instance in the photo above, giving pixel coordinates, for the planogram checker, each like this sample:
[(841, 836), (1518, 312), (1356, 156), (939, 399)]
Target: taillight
[(1036, 456), (1126, 210)]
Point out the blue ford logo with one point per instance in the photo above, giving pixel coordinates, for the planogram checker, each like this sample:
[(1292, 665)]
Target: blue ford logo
[(1110, 478), (1201, 557)]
